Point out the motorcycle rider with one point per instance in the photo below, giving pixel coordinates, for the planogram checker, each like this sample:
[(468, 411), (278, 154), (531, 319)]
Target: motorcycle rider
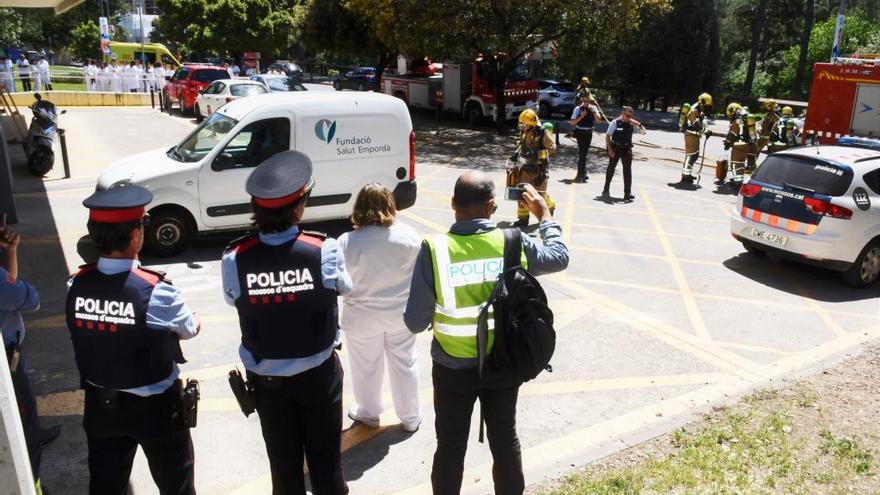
[(695, 126), (531, 161)]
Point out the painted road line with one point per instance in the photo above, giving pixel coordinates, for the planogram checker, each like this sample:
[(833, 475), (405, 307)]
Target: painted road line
[(644, 212), (649, 256), (568, 218), (424, 221), (690, 304), (751, 348), (684, 341), (808, 298), (538, 457), (724, 240)]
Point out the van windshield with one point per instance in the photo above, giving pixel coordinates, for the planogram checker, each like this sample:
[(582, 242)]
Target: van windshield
[(203, 139)]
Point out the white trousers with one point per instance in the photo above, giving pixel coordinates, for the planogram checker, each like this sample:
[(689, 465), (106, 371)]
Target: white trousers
[(367, 352)]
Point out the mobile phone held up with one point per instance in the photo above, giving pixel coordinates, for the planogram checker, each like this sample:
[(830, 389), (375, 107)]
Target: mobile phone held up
[(514, 193)]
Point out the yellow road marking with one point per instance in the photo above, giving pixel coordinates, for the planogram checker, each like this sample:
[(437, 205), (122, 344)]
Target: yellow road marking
[(703, 349), (725, 240), (818, 309), (424, 221), (643, 255), (690, 304), (631, 211), (751, 348)]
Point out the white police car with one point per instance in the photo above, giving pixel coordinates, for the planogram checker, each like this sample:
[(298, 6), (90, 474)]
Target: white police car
[(818, 205), (198, 184)]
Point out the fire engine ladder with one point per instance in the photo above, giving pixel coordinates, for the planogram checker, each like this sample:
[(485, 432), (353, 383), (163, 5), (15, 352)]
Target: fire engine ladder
[(11, 109)]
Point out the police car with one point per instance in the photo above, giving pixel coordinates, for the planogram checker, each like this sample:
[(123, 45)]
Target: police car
[(819, 205), (198, 184)]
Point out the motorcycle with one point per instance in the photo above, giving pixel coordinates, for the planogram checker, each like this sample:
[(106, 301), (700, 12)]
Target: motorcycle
[(42, 139)]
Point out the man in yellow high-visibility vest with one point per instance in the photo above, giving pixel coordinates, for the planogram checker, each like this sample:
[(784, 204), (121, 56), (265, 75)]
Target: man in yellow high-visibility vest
[(454, 275)]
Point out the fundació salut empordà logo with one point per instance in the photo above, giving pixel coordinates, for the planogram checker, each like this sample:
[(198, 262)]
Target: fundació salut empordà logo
[(325, 130)]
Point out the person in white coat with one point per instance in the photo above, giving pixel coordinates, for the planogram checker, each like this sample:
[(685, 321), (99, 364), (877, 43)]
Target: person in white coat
[(116, 77), (45, 77), (6, 69), (104, 77), (130, 77), (36, 77), (383, 254), (159, 75)]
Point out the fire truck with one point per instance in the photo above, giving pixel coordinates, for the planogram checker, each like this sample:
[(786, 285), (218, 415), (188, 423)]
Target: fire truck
[(463, 89), (844, 100)]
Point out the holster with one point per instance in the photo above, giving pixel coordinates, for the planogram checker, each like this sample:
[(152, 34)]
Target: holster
[(189, 399), (243, 392)]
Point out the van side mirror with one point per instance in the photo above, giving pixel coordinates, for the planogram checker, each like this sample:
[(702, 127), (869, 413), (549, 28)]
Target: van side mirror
[(223, 161)]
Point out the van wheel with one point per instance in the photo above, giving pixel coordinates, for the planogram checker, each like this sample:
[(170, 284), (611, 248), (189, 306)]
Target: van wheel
[(474, 114), (199, 116), (866, 269), (168, 233)]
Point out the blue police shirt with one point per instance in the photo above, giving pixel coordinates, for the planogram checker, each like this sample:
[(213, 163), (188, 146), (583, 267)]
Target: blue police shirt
[(333, 277), (167, 310), (15, 296)]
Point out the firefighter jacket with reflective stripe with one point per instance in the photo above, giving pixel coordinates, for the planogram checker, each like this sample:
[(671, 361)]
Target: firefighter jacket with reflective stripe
[(534, 152), (466, 268), (106, 316), (769, 124), (284, 310)]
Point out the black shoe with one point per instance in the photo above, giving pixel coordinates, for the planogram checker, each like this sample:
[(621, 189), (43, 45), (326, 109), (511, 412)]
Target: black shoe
[(48, 435), (577, 178), (628, 197), (584, 180), (606, 194)]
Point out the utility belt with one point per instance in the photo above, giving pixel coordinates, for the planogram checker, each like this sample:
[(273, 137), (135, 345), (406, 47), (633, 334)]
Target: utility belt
[(582, 130), (622, 147), (186, 395)]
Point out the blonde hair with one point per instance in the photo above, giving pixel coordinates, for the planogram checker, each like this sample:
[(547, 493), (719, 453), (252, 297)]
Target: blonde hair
[(374, 206)]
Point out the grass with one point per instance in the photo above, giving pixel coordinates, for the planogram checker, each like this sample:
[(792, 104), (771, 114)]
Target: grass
[(757, 446)]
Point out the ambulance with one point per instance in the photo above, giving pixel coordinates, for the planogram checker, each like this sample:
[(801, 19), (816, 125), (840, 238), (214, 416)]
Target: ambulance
[(352, 138)]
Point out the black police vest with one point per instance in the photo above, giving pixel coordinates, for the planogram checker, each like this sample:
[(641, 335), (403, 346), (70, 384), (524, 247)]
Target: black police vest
[(106, 316), (587, 119), (622, 136), (284, 310)]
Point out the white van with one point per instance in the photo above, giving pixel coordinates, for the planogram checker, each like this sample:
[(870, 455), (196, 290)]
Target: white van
[(198, 185)]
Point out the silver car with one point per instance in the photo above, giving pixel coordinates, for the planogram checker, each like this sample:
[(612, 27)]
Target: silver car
[(555, 96), (819, 205)]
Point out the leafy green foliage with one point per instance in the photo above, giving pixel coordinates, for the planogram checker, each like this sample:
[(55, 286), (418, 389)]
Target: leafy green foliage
[(84, 41)]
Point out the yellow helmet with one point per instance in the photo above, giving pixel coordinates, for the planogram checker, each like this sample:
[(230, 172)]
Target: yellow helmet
[(787, 112), (685, 108), (732, 109), (751, 118), (529, 118), (585, 80), (705, 99), (770, 105)]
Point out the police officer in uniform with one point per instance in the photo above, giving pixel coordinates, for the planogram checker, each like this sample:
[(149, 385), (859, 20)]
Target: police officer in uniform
[(126, 323), (618, 142), (583, 118), (284, 284)]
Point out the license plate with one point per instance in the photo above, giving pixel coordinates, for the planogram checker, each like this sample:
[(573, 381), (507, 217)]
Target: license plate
[(771, 237)]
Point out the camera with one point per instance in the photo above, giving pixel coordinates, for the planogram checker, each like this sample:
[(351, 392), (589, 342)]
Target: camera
[(514, 193)]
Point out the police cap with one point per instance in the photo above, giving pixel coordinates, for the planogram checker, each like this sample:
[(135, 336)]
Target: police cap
[(281, 179), (118, 204)]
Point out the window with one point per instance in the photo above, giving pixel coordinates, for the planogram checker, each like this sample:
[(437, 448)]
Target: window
[(544, 85), (258, 141), (565, 87), (213, 89), (803, 173), (247, 89), (210, 75), (203, 139), (181, 73), (872, 179)]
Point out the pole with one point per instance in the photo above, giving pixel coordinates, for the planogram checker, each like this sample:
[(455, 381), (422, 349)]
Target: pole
[(838, 31), (63, 136), (141, 9)]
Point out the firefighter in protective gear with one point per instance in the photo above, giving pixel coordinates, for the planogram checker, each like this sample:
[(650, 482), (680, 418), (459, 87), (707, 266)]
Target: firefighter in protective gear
[(769, 124), (694, 127), (750, 136), (531, 161), (737, 115), (582, 92), (787, 134)]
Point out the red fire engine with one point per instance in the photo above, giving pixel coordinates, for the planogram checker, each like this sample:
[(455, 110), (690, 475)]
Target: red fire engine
[(844, 100)]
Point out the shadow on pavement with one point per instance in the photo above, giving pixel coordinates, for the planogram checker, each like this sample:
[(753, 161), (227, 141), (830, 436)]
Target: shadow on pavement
[(358, 460), (798, 279)]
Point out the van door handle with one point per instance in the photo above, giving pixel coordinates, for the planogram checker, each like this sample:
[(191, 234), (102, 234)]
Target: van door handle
[(189, 182)]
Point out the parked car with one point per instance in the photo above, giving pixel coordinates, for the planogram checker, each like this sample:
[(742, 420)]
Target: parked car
[(184, 85), (280, 84), (555, 96), (819, 205), (289, 68), (222, 91), (198, 184), (360, 79)]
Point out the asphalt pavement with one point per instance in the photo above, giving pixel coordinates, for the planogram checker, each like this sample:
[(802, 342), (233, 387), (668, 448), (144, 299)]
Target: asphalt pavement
[(660, 315)]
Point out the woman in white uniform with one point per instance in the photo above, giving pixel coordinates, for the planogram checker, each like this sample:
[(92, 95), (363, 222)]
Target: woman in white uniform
[(116, 78), (380, 255)]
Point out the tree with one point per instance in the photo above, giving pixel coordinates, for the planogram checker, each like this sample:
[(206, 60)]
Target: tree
[(798, 85), (757, 26), (84, 41)]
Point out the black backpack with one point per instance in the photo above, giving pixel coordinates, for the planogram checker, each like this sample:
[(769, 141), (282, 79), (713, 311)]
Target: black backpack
[(524, 334)]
